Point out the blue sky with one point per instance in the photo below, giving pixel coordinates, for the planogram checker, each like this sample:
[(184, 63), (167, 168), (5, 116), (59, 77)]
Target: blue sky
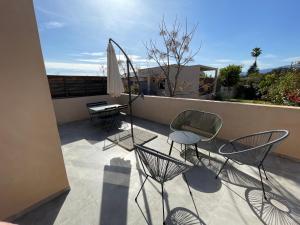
[(74, 33)]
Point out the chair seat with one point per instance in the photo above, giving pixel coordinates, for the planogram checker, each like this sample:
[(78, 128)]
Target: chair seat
[(203, 135), (248, 158), (161, 167)]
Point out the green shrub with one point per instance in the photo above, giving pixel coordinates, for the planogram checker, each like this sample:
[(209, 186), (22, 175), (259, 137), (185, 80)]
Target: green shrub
[(230, 75), (278, 86)]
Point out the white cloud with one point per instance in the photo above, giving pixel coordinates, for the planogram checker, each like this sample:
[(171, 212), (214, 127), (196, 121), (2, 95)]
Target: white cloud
[(91, 67), (93, 60), (218, 65), (135, 59), (66, 68), (93, 53), (224, 60), (93, 63), (247, 62), (261, 65), (292, 59), (64, 65), (54, 25), (268, 56)]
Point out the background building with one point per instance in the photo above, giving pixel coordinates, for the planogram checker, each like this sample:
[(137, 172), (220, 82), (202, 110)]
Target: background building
[(192, 81)]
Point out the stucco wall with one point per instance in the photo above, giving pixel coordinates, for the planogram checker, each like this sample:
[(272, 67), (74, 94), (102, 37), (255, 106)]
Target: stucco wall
[(31, 162), (238, 118), (72, 109), (187, 84)]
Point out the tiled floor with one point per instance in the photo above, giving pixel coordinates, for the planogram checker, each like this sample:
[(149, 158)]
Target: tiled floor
[(104, 184)]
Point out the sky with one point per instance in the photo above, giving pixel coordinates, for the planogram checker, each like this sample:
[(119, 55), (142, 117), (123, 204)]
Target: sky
[(74, 33)]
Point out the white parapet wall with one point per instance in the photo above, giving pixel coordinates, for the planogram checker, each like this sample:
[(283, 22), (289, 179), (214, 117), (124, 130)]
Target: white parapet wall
[(73, 109), (238, 118)]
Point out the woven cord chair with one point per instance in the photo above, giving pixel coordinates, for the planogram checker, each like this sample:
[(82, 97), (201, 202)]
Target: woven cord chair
[(252, 150), (205, 124), (161, 168)]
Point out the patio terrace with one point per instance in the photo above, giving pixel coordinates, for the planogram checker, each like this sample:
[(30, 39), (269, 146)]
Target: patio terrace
[(104, 184)]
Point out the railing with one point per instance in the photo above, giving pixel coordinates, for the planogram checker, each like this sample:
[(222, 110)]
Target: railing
[(76, 86)]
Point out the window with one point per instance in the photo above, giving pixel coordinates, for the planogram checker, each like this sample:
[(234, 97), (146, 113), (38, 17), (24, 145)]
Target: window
[(161, 84)]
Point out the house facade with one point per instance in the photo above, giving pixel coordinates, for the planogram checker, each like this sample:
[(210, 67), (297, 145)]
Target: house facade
[(189, 85)]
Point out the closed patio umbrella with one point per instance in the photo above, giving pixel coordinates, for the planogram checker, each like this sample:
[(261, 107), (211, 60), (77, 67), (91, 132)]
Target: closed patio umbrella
[(114, 82)]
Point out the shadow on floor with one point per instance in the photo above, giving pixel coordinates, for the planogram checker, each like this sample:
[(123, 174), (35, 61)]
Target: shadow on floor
[(92, 131), (152, 126), (202, 179), (275, 210), (45, 214), (229, 174), (116, 180), (182, 216), (234, 176), (79, 130)]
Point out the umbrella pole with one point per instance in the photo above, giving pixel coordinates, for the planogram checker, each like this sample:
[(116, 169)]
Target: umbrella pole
[(128, 62), (130, 108)]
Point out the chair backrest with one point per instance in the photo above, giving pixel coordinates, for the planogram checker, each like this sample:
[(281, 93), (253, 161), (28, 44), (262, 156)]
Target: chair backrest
[(255, 147), (111, 111), (203, 123), (93, 104), (123, 107), (160, 166)]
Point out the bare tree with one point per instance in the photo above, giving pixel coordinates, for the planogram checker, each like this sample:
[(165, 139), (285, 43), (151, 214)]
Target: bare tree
[(174, 51)]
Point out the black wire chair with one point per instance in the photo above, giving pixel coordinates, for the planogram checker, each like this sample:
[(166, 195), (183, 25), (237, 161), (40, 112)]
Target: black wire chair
[(109, 118), (252, 150), (122, 116), (92, 113), (161, 168)]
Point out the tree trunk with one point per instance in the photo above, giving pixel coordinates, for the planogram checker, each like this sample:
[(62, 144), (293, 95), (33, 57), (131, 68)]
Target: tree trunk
[(176, 78), (171, 94)]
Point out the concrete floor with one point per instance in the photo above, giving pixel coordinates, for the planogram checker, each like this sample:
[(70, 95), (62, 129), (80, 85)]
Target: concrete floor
[(105, 183)]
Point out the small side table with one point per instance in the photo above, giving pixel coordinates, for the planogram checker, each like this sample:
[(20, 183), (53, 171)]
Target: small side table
[(185, 138)]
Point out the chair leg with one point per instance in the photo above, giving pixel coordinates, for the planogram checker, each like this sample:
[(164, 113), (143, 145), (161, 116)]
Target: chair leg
[(141, 188), (262, 184), (185, 148), (162, 201), (191, 194), (171, 147), (262, 166), (197, 153), (222, 167)]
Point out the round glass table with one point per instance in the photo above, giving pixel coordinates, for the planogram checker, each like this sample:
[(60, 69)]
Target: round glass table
[(184, 138)]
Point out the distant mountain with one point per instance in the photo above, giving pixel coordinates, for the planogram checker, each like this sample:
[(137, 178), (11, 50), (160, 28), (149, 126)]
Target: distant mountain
[(263, 71)]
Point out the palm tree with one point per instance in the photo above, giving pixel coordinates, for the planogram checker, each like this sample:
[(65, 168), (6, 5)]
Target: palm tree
[(255, 53), (253, 68)]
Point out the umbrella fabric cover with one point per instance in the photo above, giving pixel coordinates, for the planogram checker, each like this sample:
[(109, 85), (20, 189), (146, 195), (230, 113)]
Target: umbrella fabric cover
[(114, 82)]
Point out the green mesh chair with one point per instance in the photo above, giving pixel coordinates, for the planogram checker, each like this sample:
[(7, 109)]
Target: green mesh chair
[(205, 124)]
